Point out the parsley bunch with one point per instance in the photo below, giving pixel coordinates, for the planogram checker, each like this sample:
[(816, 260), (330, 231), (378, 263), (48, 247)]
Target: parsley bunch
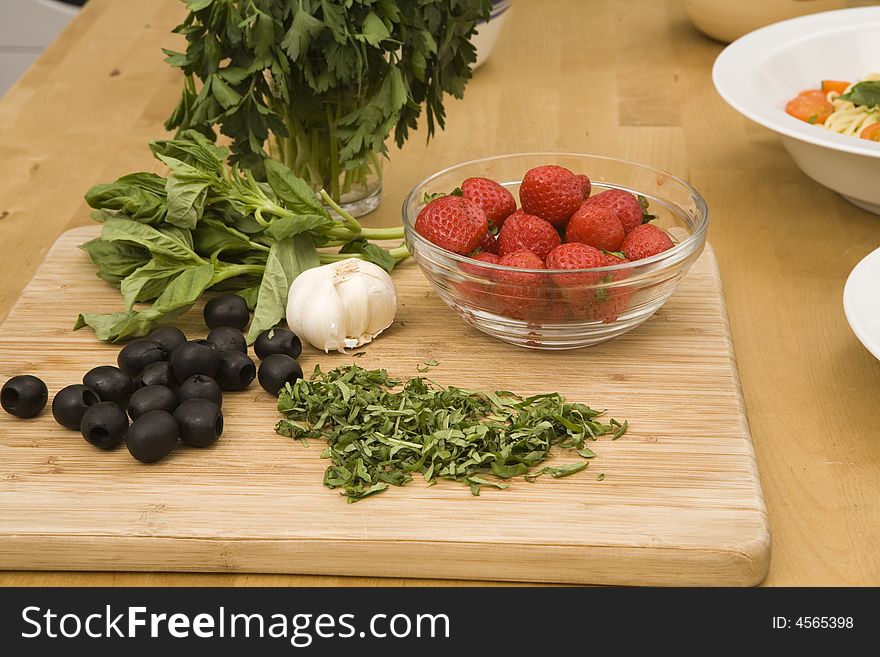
[(380, 430), (325, 81)]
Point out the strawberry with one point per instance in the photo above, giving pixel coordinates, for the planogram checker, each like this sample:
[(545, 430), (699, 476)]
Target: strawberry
[(586, 185), (596, 225), (645, 241), (575, 255), (631, 211), (453, 223), (571, 290), (526, 231), (520, 294), (609, 303), (551, 192), (477, 270), (489, 244), (497, 202), (479, 292)]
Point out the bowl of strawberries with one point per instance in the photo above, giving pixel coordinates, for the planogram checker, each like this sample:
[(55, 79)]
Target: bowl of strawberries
[(554, 250)]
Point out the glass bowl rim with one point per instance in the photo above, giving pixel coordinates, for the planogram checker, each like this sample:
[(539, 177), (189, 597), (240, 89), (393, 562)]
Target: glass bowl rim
[(682, 249)]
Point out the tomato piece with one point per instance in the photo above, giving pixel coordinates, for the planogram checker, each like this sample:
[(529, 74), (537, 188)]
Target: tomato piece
[(834, 85), (871, 133), (811, 106)]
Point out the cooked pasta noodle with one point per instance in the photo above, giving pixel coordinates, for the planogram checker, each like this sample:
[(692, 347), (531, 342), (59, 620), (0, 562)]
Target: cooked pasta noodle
[(847, 118)]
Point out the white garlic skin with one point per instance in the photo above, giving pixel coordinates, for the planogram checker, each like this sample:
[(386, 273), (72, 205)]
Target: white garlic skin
[(341, 305)]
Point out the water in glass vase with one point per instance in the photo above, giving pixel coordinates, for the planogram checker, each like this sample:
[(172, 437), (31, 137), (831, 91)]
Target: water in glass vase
[(313, 155)]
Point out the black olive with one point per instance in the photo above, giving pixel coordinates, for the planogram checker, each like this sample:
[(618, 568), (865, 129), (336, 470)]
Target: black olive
[(226, 338), (168, 336), (104, 424), (159, 373), (151, 398), (194, 358), (227, 310), (277, 341), (111, 383), (276, 370), (236, 371), (200, 422), (136, 355), (200, 386), (70, 404), (152, 436), (24, 395)]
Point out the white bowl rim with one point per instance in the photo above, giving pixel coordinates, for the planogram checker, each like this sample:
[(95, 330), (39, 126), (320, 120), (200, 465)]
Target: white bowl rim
[(731, 77), (695, 241), (854, 312)]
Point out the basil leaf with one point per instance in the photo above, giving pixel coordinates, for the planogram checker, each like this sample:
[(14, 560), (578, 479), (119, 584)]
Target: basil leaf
[(287, 259), (140, 196), (285, 227), (212, 236), (294, 192), (186, 189), (192, 148), (103, 324), (185, 289), (115, 260), (371, 252), (250, 296), (155, 241), (864, 94), (149, 281)]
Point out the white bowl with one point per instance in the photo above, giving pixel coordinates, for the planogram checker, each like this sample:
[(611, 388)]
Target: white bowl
[(487, 33), (726, 20), (759, 73), (861, 302)]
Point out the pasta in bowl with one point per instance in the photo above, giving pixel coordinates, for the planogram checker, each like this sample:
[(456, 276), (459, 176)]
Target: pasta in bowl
[(842, 107), (809, 80)]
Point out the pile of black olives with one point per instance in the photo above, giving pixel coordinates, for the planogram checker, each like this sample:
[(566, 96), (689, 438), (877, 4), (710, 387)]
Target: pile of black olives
[(165, 388)]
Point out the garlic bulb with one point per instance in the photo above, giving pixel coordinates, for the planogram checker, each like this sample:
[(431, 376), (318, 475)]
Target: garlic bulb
[(341, 305)]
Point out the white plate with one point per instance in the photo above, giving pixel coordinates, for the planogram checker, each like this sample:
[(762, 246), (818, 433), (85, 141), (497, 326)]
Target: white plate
[(861, 301), (759, 73)]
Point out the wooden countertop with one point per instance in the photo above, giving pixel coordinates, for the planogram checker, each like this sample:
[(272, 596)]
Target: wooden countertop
[(627, 79)]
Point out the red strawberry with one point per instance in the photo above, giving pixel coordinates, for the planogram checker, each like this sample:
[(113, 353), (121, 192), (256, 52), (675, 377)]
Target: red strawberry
[(479, 292), (551, 192), (489, 244), (497, 202), (477, 270), (645, 241), (586, 185), (572, 291), (526, 231), (520, 294), (453, 223), (609, 303), (595, 225), (575, 255), (488, 256), (630, 210)]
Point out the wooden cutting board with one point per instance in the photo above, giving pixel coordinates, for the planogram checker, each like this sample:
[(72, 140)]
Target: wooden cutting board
[(680, 502)]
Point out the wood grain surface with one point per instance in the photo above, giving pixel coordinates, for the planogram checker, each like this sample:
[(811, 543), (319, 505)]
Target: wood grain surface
[(627, 78), (679, 502)]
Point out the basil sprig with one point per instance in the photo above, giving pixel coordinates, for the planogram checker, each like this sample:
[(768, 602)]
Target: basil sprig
[(380, 430), (864, 94), (208, 226)]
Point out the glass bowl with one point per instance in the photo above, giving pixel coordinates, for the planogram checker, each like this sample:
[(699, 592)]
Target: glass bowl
[(562, 309)]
